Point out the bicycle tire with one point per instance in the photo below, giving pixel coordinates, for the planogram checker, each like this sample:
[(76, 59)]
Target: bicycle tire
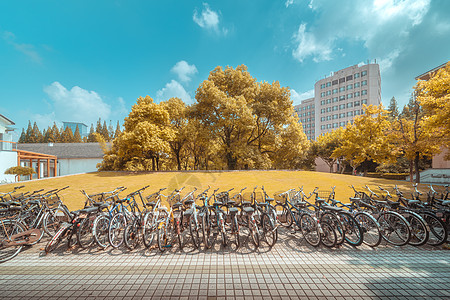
[(206, 229), (57, 238), (85, 237), (438, 229), (179, 233), (353, 231), (163, 238), (328, 236), (53, 220), (310, 229), (8, 228), (370, 228), (270, 232), (194, 230), (116, 228), (100, 230), (394, 228), (253, 228), (337, 225), (223, 232), (235, 232), (149, 230), (131, 235), (419, 229)]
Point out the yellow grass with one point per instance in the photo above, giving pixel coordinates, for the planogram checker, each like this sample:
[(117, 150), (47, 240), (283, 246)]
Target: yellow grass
[(273, 181)]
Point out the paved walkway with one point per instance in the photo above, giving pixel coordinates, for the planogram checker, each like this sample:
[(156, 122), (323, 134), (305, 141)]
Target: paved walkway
[(291, 269)]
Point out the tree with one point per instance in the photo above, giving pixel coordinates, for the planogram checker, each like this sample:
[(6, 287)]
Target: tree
[(20, 171), (178, 121), (23, 137), (434, 96), (326, 144), (367, 139), (91, 137), (104, 132), (144, 140), (392, 109), (67, 136), (77, 136), (118, 131)]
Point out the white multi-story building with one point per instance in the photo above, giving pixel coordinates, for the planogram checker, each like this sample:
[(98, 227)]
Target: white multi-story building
[(339, 98)]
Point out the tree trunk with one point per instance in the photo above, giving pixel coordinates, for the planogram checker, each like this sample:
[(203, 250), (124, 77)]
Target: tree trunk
[(178, 161), (153, 164), (231, 161), (411, 173), (416, 167)]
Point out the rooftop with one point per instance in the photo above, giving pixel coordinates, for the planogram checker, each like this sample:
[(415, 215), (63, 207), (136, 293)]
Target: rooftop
[(65, 150)]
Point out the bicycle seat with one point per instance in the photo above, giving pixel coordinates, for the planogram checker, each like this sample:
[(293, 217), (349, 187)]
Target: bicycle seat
[(393, 204), (246, 203), (218, 203), (231, 202), (233, 210), (189, 201), (300, 204), (413, 202), (446, 202), (265, 204), (248, 210), (188, 212), (331, 208), (32, 202), (268, 199), (151, 204), (355, 199), (89, 210), (177, 205)]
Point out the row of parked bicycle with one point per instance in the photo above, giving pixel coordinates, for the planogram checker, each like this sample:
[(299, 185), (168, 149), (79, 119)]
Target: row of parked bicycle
[(202, 219)]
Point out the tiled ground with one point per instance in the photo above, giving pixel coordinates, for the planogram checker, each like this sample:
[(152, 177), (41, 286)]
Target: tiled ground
[(290, 270)]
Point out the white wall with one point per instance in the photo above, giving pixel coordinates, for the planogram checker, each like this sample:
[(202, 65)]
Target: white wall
[(77, 165), (7, 159)]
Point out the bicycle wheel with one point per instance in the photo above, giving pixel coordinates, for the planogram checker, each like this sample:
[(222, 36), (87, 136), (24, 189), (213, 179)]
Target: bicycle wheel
[(394, 228), (7, 229), (100, 230), (57, 238), (328, 236), (288, 217), (194, 230), (85, 237), (254, 232), (179, 233), (116, 228), (235, 231), (353, 231), (419, 231), (223, 232), (337, 225), (370, 229), (53, 220), (438, 230), (310, 229), (149, 230), (131, 235), (270, 232), (207, 230), (163, 237)]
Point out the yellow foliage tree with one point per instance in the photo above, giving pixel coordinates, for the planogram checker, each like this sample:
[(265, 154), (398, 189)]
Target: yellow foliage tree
[(326, 144), (367, 138)]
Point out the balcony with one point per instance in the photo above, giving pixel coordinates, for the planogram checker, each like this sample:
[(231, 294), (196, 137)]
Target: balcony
[(8, 146)]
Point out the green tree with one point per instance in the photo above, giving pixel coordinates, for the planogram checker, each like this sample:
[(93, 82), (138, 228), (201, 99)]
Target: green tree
[(118, 131), (77, 136), (392, 109), (67, 136), (23, 137), (91, 137)]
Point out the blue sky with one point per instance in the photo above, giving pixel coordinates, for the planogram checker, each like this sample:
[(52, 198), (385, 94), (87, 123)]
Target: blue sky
[(80, 60)]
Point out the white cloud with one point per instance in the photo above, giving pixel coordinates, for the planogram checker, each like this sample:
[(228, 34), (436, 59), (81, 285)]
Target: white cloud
[(288, 2), (27, 49), (76, 104), (184, 70), (208, 19), (383, 26), (308, 45), (297, 98), (173, 89)]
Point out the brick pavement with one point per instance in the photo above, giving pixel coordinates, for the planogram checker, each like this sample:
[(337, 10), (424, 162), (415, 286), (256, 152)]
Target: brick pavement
[(292, 269)]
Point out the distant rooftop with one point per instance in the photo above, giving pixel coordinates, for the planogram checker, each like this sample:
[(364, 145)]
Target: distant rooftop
[(427, 75), (65, 150), (7, 120)]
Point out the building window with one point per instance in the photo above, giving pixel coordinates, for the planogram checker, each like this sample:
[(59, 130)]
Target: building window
[(350, 104), (335, 108), (309, 113), (364, 101), (335, 99), (335, 117), (349, 77), (341, 80), (356, 113), (328, 126), (322, 86), (322, 127), (328, 83), (322, 119), (363, 73), (357, 94), (335, 82), (349, 96), (322, 94), (342, 106), (328, 92), (356, 75), (364, 92), (328, 109), (322, 102), (364, 82), (322, 110), (342, 115), (349, 114), (356, 103), (342, 124), (335, 91), (342, 89), (341, 97), (328, 118), (349, 87), (356, 84)]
